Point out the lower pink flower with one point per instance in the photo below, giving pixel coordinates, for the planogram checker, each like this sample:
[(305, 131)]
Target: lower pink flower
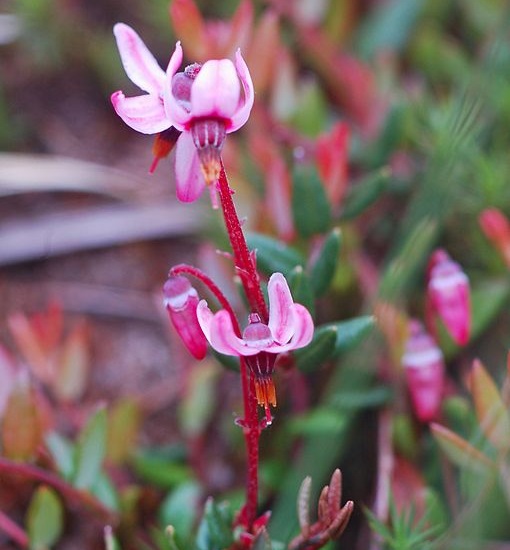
[(290, 327)]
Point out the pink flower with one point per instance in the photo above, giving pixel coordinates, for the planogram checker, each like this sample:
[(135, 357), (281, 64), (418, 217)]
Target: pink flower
[(290, 327), (424, 372), (181, 301), (448, 295), (204, 102)]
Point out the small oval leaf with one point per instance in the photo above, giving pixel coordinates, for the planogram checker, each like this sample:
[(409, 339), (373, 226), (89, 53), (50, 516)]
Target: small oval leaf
[(319, 350), (273, 255), (44, 518), (323, 270)]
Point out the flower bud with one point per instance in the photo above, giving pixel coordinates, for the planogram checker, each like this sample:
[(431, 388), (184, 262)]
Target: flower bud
[(424, 373), (448, 296), (181, 301)]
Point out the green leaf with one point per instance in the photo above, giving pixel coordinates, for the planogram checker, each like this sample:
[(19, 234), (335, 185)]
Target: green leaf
[(493, 416), (106, 492), (323, 270), (273, 255), (123, 426), (310, 115), (369, 398), (62, 452), (310, 205), (44, 518), (320, 421), (459, 451), (159, 469), (319, 350), (215, 531), (91, 450), (179, 510), (389, 27), (197, 407), (301, 288), (262, 541), (351, 332), (364, 193)]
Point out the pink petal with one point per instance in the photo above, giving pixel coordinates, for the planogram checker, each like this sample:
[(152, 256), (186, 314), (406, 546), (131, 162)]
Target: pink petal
[(223, 338), (242, 114), (205, 317), (176, 113), (216, 90), (281, 314), (143, 113), (139, 64), (303, 330), (189, 180)]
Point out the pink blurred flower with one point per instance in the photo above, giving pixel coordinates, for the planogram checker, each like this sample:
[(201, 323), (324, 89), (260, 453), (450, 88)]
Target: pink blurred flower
[(424, 373), (204, 102), (181, 301), (448, 295), (290, 327)]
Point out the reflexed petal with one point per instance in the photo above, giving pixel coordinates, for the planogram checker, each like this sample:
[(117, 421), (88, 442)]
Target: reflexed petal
[(205, 317), (139, 64), (143, 113), (242, 114), (175, 112), (303, 331), (216, 90), (223, 338), (189, 180), (281, 315)]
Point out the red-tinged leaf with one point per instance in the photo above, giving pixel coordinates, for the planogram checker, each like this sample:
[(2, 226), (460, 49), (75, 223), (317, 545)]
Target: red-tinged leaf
[(491, 412), (240, 27), (21, 425), (351, 82), (73, 364), (459, 451), (408, 488), (47, 326), (332, 150), (189, 27), (261, 56), (30, 348)]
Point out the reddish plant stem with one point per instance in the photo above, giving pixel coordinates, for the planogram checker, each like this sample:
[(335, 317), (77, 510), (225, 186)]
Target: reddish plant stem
[(13, 531), (72, 493), (211, 285), (244, 261), (245, 265)]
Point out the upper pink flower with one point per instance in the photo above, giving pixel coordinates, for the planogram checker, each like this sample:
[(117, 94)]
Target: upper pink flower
[(290, 327), (204, 102)]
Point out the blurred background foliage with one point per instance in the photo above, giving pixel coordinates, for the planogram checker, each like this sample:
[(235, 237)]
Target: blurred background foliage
[(380, 132)]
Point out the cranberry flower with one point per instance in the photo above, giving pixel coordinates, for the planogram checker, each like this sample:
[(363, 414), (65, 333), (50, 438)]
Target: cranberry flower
[(448, 295), (204, 102), (290, 327), (424, 368)]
